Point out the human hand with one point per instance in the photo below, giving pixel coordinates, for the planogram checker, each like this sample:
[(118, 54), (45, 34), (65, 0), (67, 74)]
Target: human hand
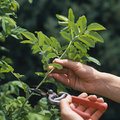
[(77, 75), (67, 108)]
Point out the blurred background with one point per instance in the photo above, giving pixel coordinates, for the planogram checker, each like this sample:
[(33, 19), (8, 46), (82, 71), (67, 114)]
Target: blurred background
[(41, 16)]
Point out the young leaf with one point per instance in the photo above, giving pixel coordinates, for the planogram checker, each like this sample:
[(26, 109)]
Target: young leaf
[(71, 16), (10, 20), (88, 41), (61, 17), (51, 55), (17, 75), (39, 73), (74, 27), (63, 23), (95, 26), (27, 41), (80, 46), (95, 36), (66, 35), (41, 38), (58, 66), (92, 59), (82, 23), (29, 36)]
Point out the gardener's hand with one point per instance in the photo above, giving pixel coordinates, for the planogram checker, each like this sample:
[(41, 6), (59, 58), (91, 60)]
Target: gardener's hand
[(76, 75), (87, 79), (67, 113)]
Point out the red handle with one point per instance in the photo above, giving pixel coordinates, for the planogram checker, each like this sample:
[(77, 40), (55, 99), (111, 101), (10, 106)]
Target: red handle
[(86, 102)]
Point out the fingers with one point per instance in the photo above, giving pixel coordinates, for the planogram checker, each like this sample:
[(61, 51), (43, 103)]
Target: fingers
[(81, 107), (61, 77), (98, 113), (67, 63), (93, 98)]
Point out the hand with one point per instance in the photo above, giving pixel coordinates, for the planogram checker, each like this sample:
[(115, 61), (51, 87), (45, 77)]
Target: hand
[(77, 75), (67, 113)]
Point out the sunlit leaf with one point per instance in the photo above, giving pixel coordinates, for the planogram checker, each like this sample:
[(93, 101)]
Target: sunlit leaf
[(82, 23), (92, 59), (61, 17), (51, 55), (95, 26), (66, 35), (71, 16), (95, 36)]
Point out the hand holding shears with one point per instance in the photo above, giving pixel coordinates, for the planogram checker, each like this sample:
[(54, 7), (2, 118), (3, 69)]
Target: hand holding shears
[(90, 104)]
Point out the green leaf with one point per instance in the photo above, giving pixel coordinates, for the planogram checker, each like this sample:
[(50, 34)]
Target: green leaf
[(29, 36), (4, 25), (74, 27), (58, 66), (8, 66), (82, 23), (63, 23), (61, 17), (27, 41), (51, 55), (40, 73), (92, 59), (55, 43), (10, 20), (66, 35), (2, 37), (88, 41), (95, 26), (95, 36), (17, 75), (41, 38), (71, 16), (80, 46)]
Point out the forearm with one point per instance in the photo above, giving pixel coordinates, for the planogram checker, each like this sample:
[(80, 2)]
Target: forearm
[(109, 86)]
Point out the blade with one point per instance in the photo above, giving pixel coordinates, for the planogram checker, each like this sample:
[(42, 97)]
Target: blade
[(39, 91)]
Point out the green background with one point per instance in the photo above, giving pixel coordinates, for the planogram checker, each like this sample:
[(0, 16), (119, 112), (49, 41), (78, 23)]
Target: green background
[(41, 16)]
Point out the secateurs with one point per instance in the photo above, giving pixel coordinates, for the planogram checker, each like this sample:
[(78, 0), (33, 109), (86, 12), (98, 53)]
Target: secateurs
[(54, 98)]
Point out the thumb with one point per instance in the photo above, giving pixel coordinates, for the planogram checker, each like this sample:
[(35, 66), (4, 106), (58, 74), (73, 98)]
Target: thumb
[(65, 104)]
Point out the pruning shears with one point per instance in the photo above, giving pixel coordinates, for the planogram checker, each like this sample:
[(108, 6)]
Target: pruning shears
[(54, 98)]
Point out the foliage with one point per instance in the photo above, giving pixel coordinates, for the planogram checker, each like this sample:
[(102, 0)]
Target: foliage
[(32, 18), (80, 38)]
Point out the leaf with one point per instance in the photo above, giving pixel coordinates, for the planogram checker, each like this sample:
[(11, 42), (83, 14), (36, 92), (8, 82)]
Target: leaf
[(8, 66), (88, 41), (10, 20), (82, 23), (66, 35), (58, 66), (80, 46), (92, 59), (40, 73), (29, 36), (51, 55), (3, 25), (61, 17), (17, 75), (55, 43), (71, 16), (41, 38), (95, 26), (26, 41), (95, 36), (63, 23), (74, 27)]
